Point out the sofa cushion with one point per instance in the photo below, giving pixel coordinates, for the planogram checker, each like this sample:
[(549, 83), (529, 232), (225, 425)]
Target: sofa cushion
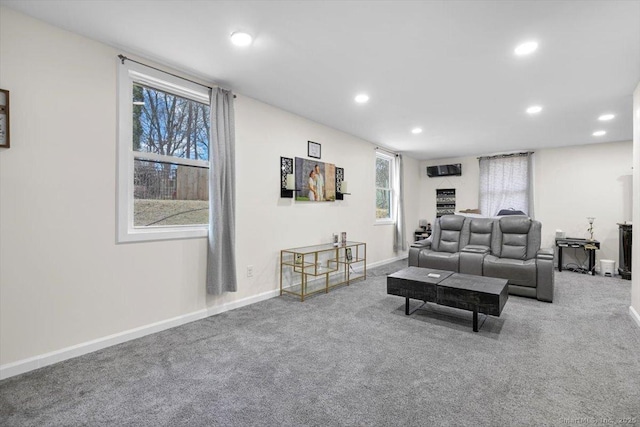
[(518, 272), (480, 231), (452, 222), (514, 246), (515, 224), (512, 238), (449, 241), (440, 260), (448, 233)]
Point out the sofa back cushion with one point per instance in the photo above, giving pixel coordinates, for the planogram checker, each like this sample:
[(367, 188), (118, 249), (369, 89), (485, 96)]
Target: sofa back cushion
[(514, 246), (447, 233), (512, 241), (480, 231)]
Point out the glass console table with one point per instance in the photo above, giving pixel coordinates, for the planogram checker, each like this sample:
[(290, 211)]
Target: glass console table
[(321, 267)]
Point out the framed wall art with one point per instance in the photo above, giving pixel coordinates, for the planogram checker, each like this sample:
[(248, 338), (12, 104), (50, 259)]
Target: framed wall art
[(314, 150), (315, 181), (445, 202)]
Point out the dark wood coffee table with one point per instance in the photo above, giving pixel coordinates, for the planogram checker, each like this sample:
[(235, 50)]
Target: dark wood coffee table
[(478, 294)]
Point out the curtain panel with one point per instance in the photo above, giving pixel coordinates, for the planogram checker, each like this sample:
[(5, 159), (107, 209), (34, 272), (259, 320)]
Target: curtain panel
[(506, 182), (221, 255), (400, 232)]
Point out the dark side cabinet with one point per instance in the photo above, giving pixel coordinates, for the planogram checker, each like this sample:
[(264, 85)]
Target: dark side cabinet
[(624, 266)]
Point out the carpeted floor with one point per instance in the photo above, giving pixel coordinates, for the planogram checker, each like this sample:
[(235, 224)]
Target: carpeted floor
[(353, 358)]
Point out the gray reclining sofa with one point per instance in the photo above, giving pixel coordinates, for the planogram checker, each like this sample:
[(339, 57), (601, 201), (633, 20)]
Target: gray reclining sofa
[(506, 247)]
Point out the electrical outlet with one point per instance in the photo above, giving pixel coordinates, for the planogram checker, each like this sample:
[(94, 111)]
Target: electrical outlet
[(249, 270)]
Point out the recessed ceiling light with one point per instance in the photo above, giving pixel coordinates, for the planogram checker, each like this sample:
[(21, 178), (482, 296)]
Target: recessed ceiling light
[(362, 98), (534, 109), (526, 48), (606, 117), (241, 39), (599, 133), (416, 131)]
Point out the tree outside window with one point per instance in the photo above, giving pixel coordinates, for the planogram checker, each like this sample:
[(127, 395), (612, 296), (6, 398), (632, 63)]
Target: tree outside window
[(167, 192)]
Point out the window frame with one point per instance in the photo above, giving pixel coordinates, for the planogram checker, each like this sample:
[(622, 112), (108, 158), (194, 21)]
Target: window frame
[(128, 74), (392, 208)]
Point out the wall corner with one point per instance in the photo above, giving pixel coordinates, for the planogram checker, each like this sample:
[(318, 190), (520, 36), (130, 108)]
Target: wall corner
[(635, 254)]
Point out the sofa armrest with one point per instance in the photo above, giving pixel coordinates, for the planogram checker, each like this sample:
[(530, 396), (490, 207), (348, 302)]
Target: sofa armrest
[(545, 279), (422, 244), (476, 249), (546, 253)]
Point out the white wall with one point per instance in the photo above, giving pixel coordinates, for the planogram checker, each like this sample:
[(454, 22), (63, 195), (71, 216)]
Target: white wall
[(466, 185), (63, 279), (570, 184), (574, 183), (273, 223)]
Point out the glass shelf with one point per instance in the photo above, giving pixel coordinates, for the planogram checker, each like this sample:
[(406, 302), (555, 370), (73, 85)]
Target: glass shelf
[(314, 270)]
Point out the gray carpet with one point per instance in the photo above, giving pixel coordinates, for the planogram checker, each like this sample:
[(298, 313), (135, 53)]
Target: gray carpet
[(353, 358)]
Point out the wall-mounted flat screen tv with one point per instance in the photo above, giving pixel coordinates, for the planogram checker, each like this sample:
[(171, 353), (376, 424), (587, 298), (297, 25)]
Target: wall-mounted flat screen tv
[(444, 170)]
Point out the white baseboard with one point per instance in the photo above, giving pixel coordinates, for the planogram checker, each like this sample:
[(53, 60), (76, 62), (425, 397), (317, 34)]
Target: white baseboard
[(211, 311), (21, 366), (387, 261), (634, 315)]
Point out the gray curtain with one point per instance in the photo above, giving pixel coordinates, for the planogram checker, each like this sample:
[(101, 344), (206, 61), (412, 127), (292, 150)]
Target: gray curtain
[(221, 255), (400, 234)]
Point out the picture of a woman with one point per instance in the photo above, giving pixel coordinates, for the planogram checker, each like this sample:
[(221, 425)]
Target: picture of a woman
[(319, 184), (316, 181), (312, 186)]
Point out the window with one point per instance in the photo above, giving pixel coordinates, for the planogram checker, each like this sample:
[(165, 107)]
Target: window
[(384, 188), (163, 155), (505, 183)]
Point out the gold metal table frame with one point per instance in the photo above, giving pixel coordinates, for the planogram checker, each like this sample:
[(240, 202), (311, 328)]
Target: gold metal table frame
[(332, 262)]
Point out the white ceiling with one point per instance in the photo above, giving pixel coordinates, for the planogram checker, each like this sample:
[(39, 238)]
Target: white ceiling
[(445, 66)]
